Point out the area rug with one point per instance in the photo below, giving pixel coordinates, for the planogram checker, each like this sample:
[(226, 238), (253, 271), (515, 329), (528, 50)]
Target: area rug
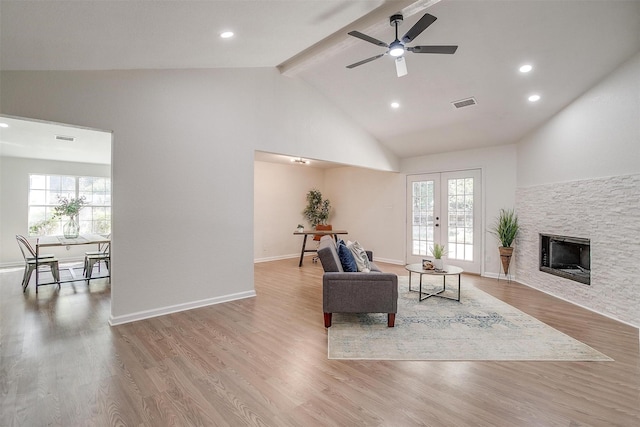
[(479, 327)]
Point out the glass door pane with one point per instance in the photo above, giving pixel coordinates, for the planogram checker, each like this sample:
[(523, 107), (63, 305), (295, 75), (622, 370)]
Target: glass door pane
[(423, 216), (460, 225), (461, 231)]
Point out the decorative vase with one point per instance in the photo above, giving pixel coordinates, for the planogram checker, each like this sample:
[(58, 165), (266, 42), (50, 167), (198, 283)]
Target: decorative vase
[(438, 264), (71, 229), (505, 256)]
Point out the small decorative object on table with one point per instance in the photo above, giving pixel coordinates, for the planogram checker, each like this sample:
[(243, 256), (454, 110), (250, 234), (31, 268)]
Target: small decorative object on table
[(427, 264), (300, 228), (438, 251)]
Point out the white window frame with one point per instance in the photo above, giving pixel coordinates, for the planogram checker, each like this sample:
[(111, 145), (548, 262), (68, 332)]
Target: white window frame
[(44, 189)]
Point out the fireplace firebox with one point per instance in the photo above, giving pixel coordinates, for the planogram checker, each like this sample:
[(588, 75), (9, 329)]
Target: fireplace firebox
[(564, 256)]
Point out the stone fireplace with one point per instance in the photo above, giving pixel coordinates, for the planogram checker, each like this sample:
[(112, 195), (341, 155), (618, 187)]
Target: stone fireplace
[(565, 256), (605, 212)]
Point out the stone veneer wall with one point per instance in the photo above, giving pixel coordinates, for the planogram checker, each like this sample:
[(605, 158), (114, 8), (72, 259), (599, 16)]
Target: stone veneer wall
[(606, 211)]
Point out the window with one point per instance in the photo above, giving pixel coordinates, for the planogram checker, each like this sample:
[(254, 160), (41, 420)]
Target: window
[(44, 190)]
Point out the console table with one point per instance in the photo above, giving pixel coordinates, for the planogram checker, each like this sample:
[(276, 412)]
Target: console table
[(447, 270), (306, 234)]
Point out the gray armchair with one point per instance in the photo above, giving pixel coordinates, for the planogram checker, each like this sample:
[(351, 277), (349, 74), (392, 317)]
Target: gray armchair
[(358, 292)]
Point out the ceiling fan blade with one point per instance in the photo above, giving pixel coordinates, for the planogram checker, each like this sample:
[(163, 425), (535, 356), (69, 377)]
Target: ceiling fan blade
[(367, 38), (364, 61), (419, 27), (433, 49)]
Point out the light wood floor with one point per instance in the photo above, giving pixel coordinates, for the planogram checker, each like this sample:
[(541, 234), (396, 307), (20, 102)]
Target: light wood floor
[(263, 361)]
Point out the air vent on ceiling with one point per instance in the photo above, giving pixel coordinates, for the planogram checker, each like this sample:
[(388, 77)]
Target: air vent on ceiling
[(65, 138), (464, 102)]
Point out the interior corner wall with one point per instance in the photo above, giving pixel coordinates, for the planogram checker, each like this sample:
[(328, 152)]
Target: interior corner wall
[(370, 205), (579, 175), (280, 197), (183, 165), (598, 135)]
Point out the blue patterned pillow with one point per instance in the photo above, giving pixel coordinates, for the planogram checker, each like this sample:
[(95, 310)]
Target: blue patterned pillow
[(346, 258)]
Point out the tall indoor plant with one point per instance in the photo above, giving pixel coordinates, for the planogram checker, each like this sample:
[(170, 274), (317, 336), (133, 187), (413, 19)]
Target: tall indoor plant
[(70, 207), (318, 209), (506, 229)]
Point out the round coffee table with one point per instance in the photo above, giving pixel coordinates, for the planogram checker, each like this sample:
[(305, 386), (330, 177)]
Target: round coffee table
[(447, 270)]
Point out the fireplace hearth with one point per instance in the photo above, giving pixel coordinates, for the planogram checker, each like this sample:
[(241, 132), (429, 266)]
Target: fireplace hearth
[(565, 256)]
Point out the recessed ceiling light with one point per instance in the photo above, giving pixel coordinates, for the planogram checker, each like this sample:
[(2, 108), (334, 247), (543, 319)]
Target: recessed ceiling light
[(4, 125), (526, 68), (534, 98), (226, 34), (395, 105)]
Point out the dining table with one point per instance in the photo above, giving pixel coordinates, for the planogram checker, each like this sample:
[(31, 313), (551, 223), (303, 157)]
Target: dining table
[(61, 241)]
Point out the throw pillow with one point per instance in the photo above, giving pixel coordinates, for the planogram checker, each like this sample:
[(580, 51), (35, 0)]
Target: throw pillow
[(346, 258), (360, 255)]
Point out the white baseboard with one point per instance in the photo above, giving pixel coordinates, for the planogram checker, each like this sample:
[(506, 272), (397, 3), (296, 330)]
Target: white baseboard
[(147, 314), (277, 258), (499, 276), (389, 261)]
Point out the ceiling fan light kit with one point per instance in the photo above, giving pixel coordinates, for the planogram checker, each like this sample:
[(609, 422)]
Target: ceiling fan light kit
[(401, 66), (398, 47)]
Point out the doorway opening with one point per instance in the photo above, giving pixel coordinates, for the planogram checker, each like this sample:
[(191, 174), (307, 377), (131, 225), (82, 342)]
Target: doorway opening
[(445, 208)]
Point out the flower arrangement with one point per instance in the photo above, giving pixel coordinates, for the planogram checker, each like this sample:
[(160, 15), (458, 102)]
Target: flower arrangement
[(69, 206)]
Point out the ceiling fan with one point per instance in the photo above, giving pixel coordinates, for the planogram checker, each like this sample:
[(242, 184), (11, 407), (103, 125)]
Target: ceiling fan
[(398, 47)]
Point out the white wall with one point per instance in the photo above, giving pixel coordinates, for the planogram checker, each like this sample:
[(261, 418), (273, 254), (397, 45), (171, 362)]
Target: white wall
[(14, 201), (598, 135), (183, 162), (578, 175), (280, 197)]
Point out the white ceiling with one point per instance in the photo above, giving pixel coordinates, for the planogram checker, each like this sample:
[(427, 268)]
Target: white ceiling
[(37, 140), (572, 44)]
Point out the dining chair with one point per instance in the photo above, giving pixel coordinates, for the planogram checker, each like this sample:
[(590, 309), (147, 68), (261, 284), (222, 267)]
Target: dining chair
[(96, 257), (45, 260), (101, 248), (317, 237)]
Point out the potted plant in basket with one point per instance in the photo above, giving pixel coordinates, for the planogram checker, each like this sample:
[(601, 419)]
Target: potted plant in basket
[(438, 251), (317, 211), (506, 229), (69, 207)]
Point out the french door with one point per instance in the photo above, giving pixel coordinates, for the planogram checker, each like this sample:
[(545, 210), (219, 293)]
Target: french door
[(445, 208)]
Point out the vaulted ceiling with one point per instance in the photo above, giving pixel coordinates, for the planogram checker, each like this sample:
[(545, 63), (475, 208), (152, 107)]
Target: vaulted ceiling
[(571, 44)]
